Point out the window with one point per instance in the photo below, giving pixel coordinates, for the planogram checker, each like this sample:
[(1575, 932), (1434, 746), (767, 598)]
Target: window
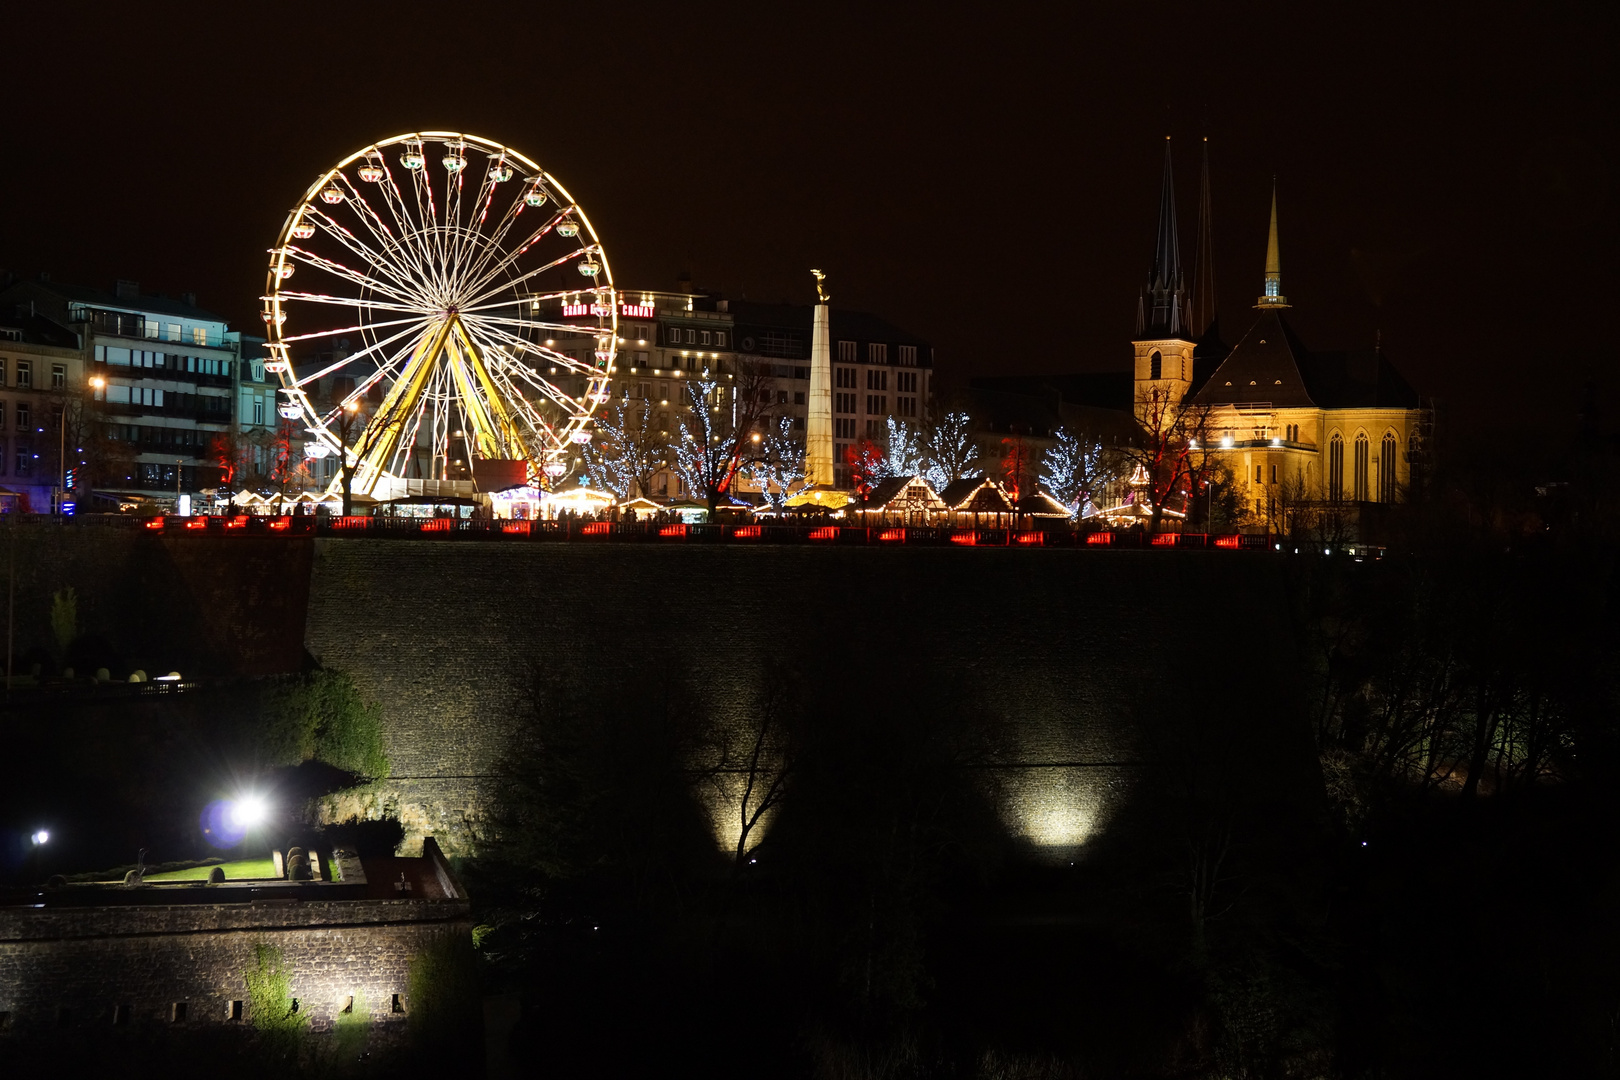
[(877, 353), (877, 380), (258, 411), (1274, 474), (691, 337), (798, 397), (703, 337), (781, 397), (905, 382), (173, 332), (846, 378), (1386, 469), (151, 329), (25, 374), (1155, 365), (58, 377), (905, 406), (1336, 467), (720, 338), (199, 335), (2, 372), (399, 1004), (25, 419), (233, 1010), (874, 429), (844, 429), (877, 404), (2, 415), (1362, 447), (798, 423), (846, 352), (908, 356), (844, 403)]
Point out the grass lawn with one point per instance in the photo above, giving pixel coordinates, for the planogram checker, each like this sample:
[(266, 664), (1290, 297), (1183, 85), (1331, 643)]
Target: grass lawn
[(234, 871)]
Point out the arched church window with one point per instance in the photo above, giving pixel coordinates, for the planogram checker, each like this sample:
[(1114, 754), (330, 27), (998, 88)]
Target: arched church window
[(1386, 469), (1361, 466), (1336, 467), (1155, 365)]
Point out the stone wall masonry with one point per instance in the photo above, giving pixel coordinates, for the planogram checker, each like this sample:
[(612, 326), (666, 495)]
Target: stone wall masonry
[(92, 961), (1052, 645)]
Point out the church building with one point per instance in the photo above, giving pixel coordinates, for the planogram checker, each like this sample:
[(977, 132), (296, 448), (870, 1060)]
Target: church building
[(1295, 427)]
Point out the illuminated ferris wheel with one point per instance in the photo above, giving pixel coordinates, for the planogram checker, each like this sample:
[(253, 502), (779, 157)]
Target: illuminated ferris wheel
[(410, 289)]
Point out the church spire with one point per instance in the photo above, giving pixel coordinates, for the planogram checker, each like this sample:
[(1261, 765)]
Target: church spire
[(1273, 296), (1162, 311), (1202, 309)]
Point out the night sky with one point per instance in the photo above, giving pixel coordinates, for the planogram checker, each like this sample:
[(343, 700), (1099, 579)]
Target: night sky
[(986, 177)]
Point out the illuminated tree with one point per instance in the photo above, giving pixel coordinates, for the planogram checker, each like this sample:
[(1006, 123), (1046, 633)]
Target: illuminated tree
[(867, 466), (903, 454), (1015, 465), (780, 463), (716, 431), (950, 449), (1072, 470), (628, 450)]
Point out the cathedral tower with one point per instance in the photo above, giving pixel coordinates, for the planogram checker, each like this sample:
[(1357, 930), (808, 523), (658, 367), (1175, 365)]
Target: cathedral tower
[(1272, 297), (1164, 346)]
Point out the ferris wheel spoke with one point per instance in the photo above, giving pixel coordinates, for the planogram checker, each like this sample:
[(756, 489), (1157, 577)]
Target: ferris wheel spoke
[(490, 273), (560, 359), (530, 298), (415, 328), (497, 239), (513, 283), (349, 301), (346, 330), (394, 199), (347, 273), (378, 261), (533, 378)]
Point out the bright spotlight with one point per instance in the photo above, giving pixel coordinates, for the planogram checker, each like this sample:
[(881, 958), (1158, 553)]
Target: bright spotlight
[(41, 838), (248, 811)]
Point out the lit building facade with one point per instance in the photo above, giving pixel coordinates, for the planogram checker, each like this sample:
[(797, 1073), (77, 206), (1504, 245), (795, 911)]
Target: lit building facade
[(41, 380), (163, 376)]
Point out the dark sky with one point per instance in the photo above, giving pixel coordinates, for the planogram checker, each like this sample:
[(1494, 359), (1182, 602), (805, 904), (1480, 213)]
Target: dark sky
[(986, 176)]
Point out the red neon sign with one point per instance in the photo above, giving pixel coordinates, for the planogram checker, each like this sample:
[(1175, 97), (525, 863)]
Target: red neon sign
[(1164, 540), (438, 524), (1227, 541), (746, 532), (890, 536), (633, 311), (1100, 538), (672, 530), (966, 539), (1031, 538), (596, 528), (825, 532)]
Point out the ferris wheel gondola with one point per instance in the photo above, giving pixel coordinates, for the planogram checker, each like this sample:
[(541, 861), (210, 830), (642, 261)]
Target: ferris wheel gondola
[(446, 256)]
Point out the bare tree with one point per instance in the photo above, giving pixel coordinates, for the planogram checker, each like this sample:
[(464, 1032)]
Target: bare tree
[(1173, 453), (717, 430)]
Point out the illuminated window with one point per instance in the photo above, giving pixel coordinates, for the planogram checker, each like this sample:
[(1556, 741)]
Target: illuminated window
[(151, 329), (199, 335), (846, 351), (1336, 467), (1386, 469), (173, 332), (58, 377)]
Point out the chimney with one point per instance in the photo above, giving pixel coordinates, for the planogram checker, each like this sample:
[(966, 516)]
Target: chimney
[(127, 290)]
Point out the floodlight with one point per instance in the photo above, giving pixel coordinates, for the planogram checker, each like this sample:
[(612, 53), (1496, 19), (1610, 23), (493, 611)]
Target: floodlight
[(41, 837), (248, 811)]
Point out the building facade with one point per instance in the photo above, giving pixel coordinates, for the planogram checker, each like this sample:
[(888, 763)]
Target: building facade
[(160, 379), (41, 394)]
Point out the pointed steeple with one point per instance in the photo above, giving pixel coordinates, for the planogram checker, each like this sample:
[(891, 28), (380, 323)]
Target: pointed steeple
[(1272, 297), (1202, 308), (1162, 311)]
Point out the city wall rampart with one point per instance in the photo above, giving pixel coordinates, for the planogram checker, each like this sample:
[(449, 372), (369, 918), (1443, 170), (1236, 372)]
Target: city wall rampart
[(1057, 649)]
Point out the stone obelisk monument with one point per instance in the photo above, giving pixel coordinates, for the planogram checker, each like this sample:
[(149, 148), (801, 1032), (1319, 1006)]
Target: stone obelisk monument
[(818, 445)]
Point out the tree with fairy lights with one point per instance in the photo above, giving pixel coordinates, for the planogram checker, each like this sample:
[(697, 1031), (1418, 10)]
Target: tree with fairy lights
[(1016, 465), (717, 429), (867, 466), (628, 450), (1072, 470), (780, 463), (950, 450), (903, 455)]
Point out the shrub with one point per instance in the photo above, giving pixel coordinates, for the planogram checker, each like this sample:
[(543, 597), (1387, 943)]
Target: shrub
[(269, 989), (321, 715), (446, 1000), (65, 617)]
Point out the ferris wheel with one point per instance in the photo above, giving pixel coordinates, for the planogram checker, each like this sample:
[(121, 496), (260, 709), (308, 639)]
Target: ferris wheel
[(418, 287)]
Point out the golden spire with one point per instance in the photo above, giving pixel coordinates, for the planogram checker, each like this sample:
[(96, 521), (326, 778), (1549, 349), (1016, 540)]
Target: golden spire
[(1273, 296)]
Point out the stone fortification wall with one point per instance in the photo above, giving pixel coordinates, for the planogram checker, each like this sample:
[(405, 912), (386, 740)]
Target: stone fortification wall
[(1054, 646), (98, 968), (203, 605)]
